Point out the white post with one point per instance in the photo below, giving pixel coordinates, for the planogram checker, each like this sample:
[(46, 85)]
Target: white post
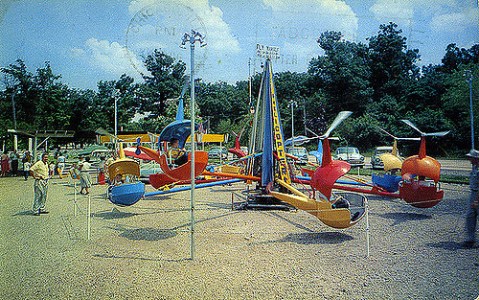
[(116, 115), (88, 223), (192, 135), (468, 73), (221, 153), (367, 226), (75, 198), (192, 39), (292, 125), (15, 142), (15, 138)]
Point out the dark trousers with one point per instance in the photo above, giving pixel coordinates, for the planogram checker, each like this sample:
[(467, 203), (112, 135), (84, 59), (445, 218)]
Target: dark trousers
[(15, 167)]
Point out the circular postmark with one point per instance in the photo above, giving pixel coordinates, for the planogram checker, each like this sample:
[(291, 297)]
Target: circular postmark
[(162, 26)]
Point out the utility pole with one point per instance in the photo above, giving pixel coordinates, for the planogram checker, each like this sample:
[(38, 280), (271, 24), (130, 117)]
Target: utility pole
[(304, 116), (192, 38), (15, 138), (116, 95), (469, 76), (293, 104)]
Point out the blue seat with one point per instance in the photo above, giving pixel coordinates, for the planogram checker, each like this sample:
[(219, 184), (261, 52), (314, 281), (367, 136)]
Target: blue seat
[(126, 194)]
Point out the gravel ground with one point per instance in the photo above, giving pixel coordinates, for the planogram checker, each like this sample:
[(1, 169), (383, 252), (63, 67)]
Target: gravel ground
[(143, 251)]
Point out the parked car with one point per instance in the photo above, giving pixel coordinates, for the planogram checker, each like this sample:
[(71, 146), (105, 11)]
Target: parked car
[(376, 162), (216, 152), (351, 155), (299, 152)]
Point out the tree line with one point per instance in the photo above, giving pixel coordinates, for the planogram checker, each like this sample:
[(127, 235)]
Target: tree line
[(379, 81)]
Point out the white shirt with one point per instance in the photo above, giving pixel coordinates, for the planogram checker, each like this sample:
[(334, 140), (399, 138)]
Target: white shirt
[(40, 170)]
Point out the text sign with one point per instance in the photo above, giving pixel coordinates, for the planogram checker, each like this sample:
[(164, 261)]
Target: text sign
[(267, 51)]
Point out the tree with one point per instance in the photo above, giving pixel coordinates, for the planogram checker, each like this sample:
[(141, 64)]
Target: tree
[(219, 101), (359, 131), (390, 62), (50, 108), (456, 56), (456, 105), (166, 80), (343, 73), (19, 82)]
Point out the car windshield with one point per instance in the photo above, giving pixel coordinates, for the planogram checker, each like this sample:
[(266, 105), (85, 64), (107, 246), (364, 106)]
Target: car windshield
[(348, 150), (298, 151), (218, 150), (382, 151)]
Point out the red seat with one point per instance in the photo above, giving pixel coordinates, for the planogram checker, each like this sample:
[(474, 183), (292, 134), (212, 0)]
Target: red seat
[(421, 196)]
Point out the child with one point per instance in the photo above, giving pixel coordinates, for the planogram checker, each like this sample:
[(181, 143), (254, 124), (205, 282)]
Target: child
[(26, 169), (118, 180), (52, 169)]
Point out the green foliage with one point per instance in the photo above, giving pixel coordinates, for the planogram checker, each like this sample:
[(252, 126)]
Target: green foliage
[(165, 81), (342, 73), (360, 132), (455, 57), (380, 82), (221, 101), (390, 62), (456, 103)]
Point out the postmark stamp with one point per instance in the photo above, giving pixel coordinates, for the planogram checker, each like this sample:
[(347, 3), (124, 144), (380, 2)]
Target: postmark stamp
[(161, 26)]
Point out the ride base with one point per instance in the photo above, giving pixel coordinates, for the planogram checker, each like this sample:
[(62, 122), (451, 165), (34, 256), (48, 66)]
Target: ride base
[(260, 200)]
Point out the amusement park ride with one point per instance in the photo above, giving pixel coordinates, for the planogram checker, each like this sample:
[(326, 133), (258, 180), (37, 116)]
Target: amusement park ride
[(420, 185), (267, 167)]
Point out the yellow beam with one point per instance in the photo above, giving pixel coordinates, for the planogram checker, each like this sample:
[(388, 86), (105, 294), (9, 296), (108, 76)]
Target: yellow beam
[(211, 138)]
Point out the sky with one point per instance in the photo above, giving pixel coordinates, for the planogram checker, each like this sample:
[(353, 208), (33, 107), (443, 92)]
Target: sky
[(88, 41)]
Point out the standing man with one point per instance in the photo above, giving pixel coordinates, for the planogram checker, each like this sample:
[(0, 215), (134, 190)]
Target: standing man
[(14, 162), (39, 172), (473, 203)]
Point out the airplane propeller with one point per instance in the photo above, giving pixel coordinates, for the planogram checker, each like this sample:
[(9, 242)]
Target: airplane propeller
[(343, 115), (399, 138), (440, 133)]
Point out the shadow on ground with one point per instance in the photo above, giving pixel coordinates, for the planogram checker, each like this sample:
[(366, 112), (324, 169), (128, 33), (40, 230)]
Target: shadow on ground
[(113, 256), (451, 246), (219, 205), (147, 234), (404, 217), (24, 213), (308, 238), (227, 188), (114, 214)]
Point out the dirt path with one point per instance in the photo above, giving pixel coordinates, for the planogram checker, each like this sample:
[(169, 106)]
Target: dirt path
[(143, 251)]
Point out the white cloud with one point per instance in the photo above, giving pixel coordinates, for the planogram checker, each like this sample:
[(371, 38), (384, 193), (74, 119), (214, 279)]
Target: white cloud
[(400, 12), (77, 52), (455, 22), (316, 16), (219, 32), (305, 50), (113, 58), (181, 15)]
